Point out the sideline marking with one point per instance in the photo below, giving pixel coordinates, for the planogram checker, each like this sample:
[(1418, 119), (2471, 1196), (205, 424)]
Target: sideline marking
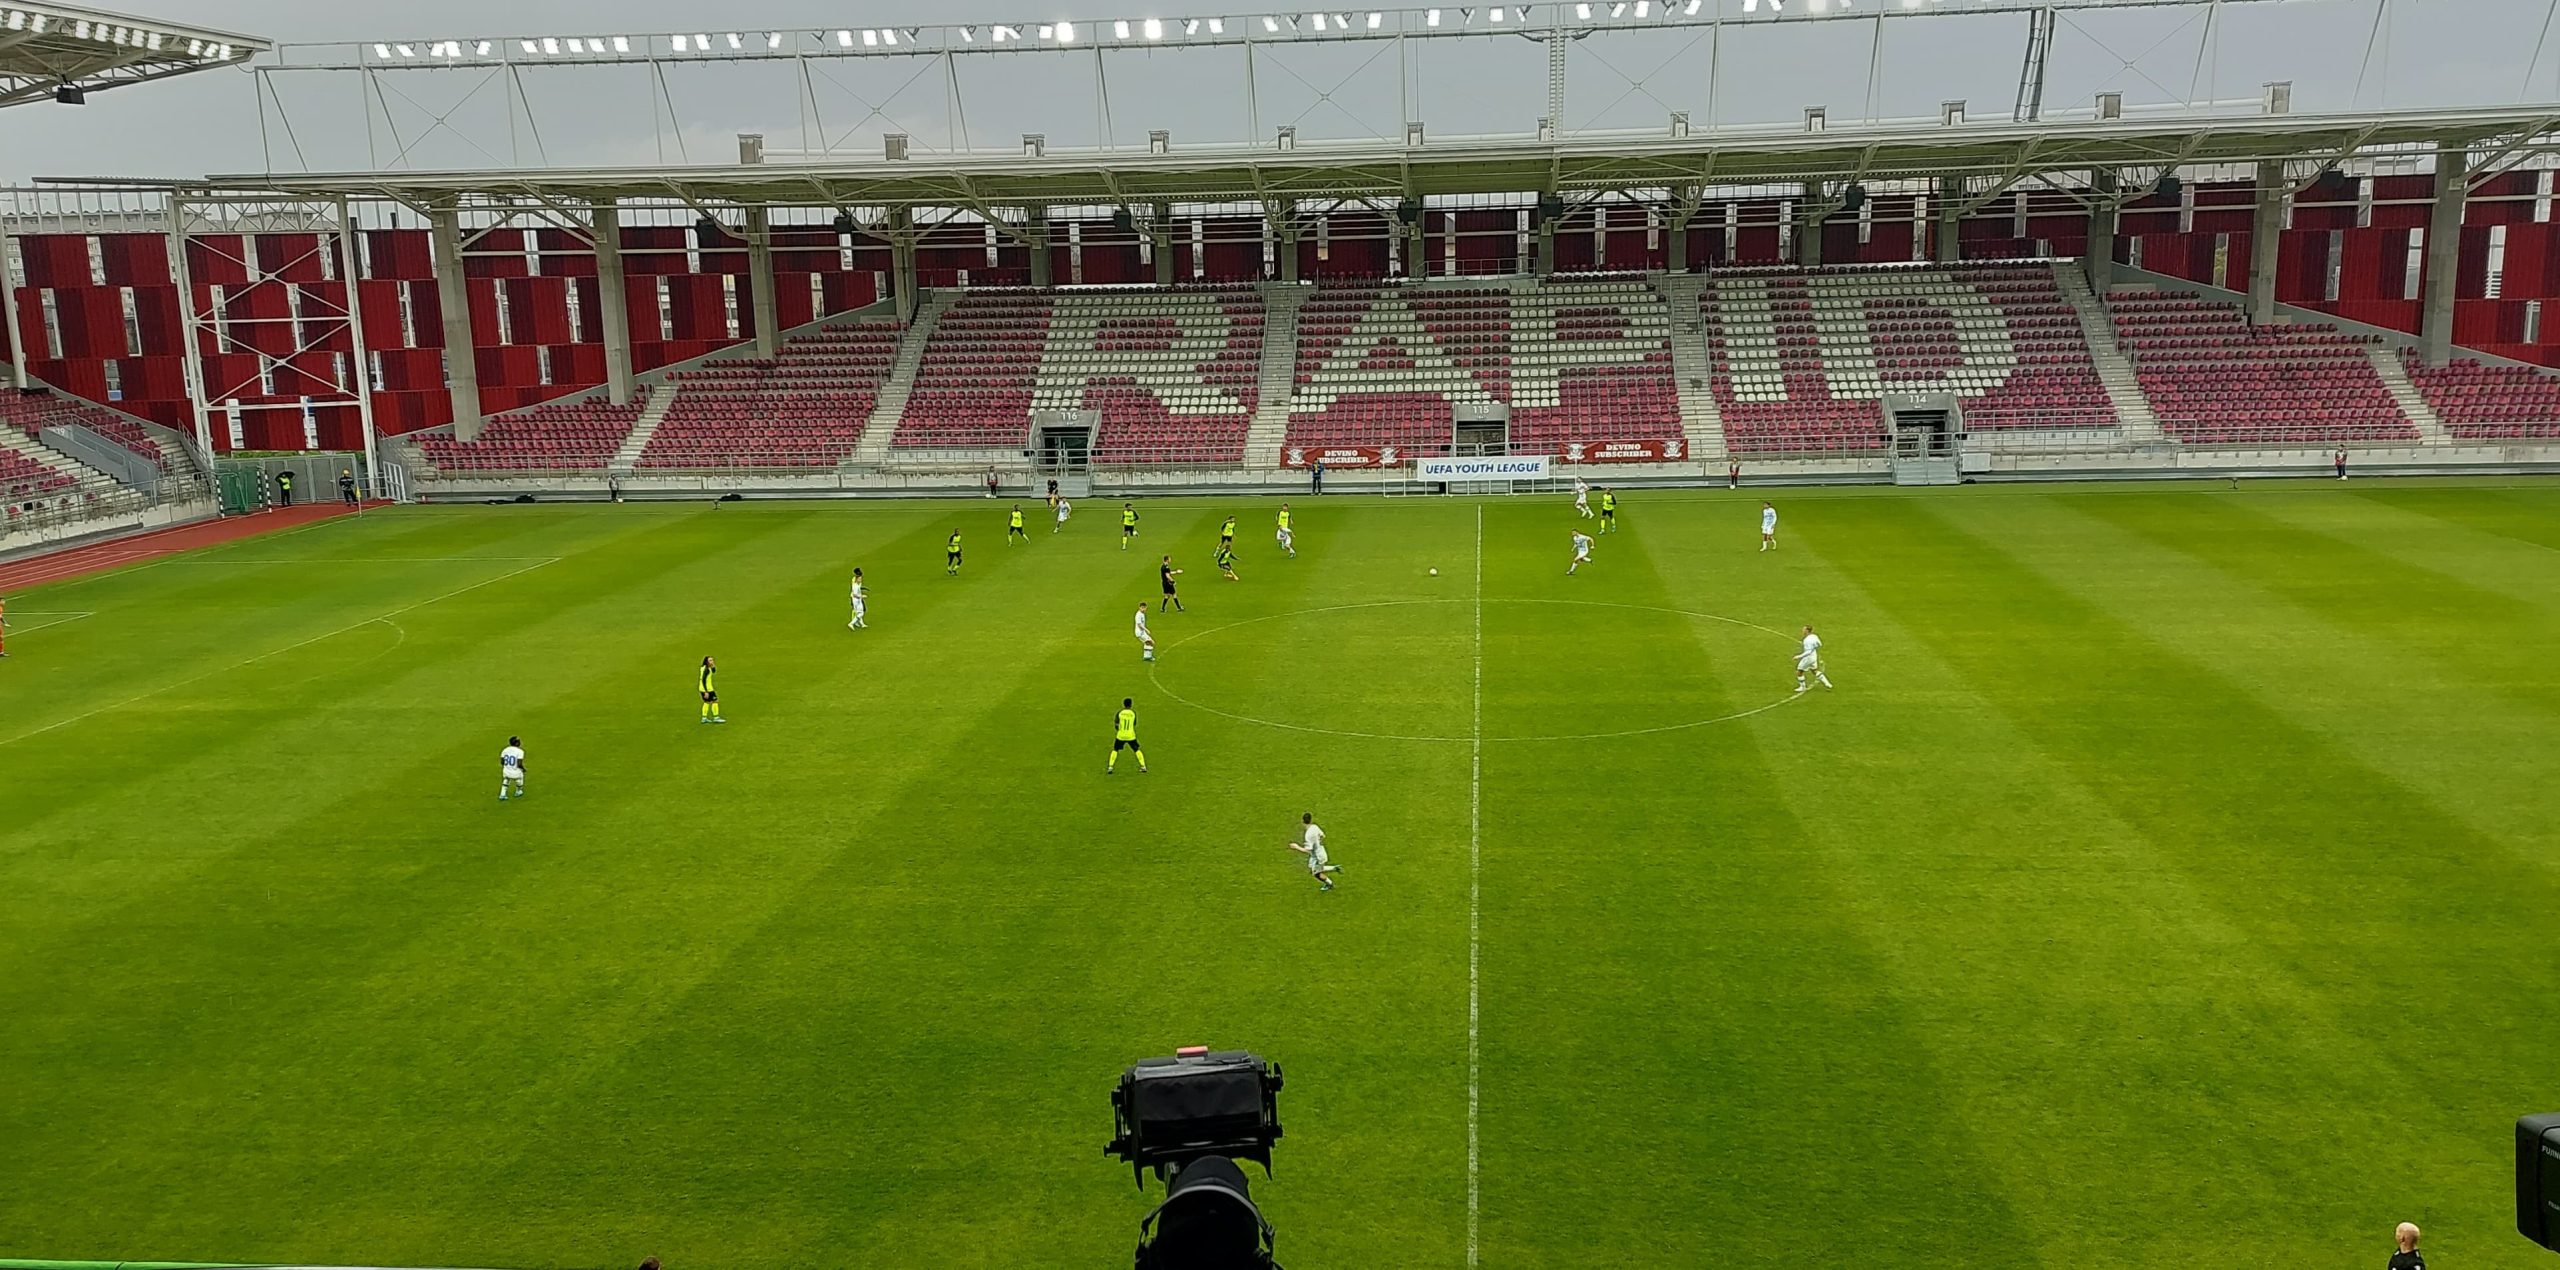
[(1477, 739), (59, 619)]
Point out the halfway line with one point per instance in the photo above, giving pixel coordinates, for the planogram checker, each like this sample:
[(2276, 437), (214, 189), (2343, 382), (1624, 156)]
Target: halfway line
[(1475, 877)]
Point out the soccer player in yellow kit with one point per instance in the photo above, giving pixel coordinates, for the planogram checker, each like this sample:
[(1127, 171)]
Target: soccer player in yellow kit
[(951, 555), (709, 686), (1288, 540), (1014, 532), (1124, 736), (1128, 525)]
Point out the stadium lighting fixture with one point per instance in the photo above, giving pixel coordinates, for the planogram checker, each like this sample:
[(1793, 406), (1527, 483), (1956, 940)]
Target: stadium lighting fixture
[(1217, 26), (736, 41), (1270, 26), (1679, 123), (1120, 29), (382, 51), (1431, 17), (528, 46), (999, 34), (1642, 6), (1154, 29), (1582, 11), (844, 39), (405, 50), (1690, 10), (1618, 10), (1375, 18), (1066, 33), (577, 45), (622, 44), (550, 46), (871, 39), (1495, 15), (484, 48), (1319, 21)]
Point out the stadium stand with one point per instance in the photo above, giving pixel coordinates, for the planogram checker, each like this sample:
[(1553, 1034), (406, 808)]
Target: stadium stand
[(974, 387), (29, 414), (1171, 374), (2213, 379), (805, 407), (1574, 360), (23, 477), (568, 436), (1803, 358), (2477, 401)]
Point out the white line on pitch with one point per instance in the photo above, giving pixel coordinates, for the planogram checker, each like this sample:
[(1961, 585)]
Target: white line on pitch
[(384, 619), (59, 619), (1475, 876)]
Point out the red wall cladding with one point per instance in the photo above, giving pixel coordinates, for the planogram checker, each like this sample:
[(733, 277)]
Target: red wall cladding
[(114, 330)]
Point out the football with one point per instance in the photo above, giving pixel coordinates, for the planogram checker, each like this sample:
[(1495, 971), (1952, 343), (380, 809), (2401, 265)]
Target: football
[(1435, 573)]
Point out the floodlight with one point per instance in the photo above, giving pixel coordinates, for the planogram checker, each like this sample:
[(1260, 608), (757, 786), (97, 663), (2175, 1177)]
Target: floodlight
[(71, 95), (1270, 26), (1618, 10), (579, 46), (845, 224), (1375, 19), (195, 48), (968, 35), (1495, 16), (1152, 28), (382, 51), (550, 46), (621, 44), (1066, 33), (152, 42), (871, 39), (999, 34), (1217, 26), (701, 44), (1853, 198), (1319, 21), (17, 21), (736, 41), (889, 37), (483, 48), (528, 46), (1431, 17), (1582, 11), (405, 50), (1642, 6), (1690, 10), (1120, 29), (844, 39)]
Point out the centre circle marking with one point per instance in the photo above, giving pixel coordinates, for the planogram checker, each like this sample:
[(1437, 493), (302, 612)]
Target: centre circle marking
[(1153, 675)]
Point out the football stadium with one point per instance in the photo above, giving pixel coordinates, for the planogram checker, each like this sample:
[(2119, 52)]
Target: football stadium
[(1711, 632)]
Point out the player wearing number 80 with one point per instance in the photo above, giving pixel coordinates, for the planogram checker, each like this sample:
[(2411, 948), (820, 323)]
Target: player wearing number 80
[(511, 768), (1809, 662)]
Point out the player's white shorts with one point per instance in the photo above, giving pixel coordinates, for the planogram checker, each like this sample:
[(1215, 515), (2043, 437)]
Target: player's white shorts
[(860, 608), (1316, 860), (1582, 557), (1808, 661), (511, 774)]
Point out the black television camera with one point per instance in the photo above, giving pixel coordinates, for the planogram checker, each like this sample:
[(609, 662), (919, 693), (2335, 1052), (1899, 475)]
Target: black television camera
[(1189, 1118)]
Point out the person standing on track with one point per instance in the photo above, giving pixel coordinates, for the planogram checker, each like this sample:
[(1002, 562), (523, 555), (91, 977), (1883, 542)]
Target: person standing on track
[(4, 628), (347, 487), (284, 489)]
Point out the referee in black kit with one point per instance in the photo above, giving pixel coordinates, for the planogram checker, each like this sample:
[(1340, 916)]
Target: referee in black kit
[(2408, 1258)]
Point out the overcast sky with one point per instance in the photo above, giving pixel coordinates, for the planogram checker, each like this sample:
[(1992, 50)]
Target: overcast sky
[(2431, 53)]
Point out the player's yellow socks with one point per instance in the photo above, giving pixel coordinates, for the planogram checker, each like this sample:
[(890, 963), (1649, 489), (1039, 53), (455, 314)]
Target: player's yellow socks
[(1142, 757), (1113, 763)]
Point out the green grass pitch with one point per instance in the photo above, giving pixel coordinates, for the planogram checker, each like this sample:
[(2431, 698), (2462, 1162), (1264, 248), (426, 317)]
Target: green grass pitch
[(2175, 873)]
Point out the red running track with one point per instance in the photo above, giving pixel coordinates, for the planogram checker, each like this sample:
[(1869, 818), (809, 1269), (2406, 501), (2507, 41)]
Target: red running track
[(116, 553)]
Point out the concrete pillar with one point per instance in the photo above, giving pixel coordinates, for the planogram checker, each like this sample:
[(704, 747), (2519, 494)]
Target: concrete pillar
[(1162, 230), (461, 367), (1417, 247), (1035, 227), (2100, 260), (902, 262), (16, 347), (1546, 245), (2266, 226), (1809, 218), (1288, 242), (760, 298), (2444, 255), (613, 303), (1675, 244), (1949, 247)]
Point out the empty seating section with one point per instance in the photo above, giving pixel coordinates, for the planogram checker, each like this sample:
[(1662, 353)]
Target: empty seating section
[(2483, 402), (559, 437), (1585, 360), (1172, 374), (32, 414), (973, 388), (2214, 379), (23, 477), (1802, 360), (803, 408)]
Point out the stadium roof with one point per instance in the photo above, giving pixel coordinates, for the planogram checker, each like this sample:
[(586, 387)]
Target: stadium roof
[(2004, 151), (45, 47)]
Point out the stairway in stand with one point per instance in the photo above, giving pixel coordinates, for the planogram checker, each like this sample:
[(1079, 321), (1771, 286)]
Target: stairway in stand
[(627, 459), (1279, 379), (2115, 370), (2395, 377), (1692, 370), (874, 447)]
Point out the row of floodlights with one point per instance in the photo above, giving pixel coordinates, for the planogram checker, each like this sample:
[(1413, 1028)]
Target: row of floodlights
[(30, 22), (1123, 29)]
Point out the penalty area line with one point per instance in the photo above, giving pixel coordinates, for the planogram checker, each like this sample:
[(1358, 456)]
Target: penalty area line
[(1475, 892)]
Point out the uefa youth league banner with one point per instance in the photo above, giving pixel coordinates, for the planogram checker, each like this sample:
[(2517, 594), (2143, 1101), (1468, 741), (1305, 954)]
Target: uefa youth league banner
[(1529, 467)]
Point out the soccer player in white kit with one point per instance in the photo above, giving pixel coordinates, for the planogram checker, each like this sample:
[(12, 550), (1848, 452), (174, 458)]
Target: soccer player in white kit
[(511, 768), (1582, 497), (1064, 509), (1581, 552), (1311, 845), (1146, 638), (1809, 662), (1768, 527), (861, 604)]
